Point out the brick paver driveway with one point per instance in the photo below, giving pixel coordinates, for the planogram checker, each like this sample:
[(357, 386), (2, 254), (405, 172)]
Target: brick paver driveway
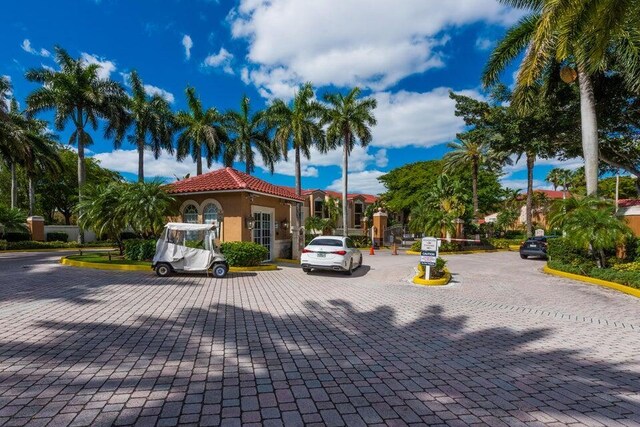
[(504, 345)]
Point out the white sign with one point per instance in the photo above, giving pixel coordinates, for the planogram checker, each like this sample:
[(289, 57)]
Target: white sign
[(539, 232), (429, 251)]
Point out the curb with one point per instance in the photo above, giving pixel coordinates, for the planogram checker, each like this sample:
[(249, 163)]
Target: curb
[(435, 282), (101, 266), (126, 267), (593, 281), (514, 248)]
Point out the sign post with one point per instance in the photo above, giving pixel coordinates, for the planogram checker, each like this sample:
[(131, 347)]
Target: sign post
[(428, 254)]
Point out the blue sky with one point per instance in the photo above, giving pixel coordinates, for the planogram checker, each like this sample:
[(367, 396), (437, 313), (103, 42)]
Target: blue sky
[(407, 55)]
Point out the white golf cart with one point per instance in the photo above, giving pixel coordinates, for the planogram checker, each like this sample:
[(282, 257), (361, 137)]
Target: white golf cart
[(189, 248)]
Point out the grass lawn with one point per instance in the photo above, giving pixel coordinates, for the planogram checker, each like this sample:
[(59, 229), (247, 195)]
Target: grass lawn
[(103, 258)]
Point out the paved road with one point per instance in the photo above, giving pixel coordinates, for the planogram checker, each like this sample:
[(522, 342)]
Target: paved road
[(503, 345)]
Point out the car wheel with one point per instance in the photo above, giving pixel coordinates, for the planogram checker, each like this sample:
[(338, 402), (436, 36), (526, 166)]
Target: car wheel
[(306, 270), (163, 269), (349, 272), (524, 256), (220, 270)]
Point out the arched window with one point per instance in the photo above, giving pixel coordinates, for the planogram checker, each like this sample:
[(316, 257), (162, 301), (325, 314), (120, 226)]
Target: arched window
[(211, 213), (190, 214)]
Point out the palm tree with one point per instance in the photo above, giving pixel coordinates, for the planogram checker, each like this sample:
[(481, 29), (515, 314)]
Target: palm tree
[(554, 178), (590, 223), (297, 125), (102, 211), (12, 219), (152, 122), (5, 91), (349, 120), (78, 95), (201, 131), (467, 152), (249, 131), (147, 206)]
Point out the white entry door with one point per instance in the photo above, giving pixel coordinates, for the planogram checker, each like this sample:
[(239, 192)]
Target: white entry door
[(263, 229)]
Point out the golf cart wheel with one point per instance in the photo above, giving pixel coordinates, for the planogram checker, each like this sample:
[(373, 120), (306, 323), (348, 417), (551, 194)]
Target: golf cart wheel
[(163, 269), (306, 270), (220, 270)]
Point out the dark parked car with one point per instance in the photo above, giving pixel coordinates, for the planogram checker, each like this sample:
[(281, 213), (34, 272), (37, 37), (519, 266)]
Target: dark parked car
[(534, 246)]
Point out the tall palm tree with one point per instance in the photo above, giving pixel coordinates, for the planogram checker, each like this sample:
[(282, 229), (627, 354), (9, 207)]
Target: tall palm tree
[(248, 131), (151, 120), (297, 125), (467, 153), (349, 120), (78, 95), (554, 178), (201, 132)]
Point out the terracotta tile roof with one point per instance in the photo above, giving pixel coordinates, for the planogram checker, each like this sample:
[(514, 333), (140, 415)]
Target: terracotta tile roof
[(551, 194), (229, 179), (627, 203)]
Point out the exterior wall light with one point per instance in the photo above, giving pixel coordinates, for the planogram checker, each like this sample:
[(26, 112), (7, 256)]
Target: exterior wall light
[(249, 222)]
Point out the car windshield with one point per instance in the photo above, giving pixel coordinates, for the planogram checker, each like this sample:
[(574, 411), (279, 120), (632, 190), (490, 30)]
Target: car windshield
[(326, 242)]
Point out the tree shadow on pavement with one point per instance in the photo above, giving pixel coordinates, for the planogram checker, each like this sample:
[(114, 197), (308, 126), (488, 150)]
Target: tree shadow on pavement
[(324, 362)]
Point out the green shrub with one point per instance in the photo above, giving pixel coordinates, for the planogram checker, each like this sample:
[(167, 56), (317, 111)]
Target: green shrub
[(41, 245), (504, 243), (244, 254), (139, 249), (564, 252), (360, 241), (17, 236), (629, 266), (57, 236), (438, 271), (3, 245), (628, 276), (416, 246)]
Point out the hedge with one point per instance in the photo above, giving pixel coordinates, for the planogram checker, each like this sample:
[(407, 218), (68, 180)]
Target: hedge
[(139, 249), (627, 278), (244, 254), (360, 241), (18, 246), (505, 243), (57, 236)]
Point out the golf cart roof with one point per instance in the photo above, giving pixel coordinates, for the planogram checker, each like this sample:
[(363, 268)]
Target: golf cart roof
[(189, 227)]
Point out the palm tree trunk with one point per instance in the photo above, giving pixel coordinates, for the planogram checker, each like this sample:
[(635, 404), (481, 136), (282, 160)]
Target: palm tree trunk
[(199, 162), (530, 162), (81, 174), (589, 126), (14, 186), (474, 185), (140, 161), (298, 211), (32, 196), (345, 170)]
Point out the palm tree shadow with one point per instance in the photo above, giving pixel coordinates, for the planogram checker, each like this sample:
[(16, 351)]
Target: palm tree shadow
[(379, 356)]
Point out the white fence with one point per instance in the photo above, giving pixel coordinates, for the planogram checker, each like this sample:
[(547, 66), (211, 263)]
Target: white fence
[(72, 231)]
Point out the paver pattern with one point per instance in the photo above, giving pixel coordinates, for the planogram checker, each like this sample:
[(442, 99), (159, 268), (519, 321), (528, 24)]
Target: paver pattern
[(503, 345)]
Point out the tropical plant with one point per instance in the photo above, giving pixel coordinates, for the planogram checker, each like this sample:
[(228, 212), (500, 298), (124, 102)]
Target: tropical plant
[(201, 132), (439, 213), (349, 120), (467, 152), (297, 125), (249, 131), (102, 211), (12, 219), (581, 36), (151, 122), (146, 206), (78, 95), (316, 224), (590, 223), (333, 208)]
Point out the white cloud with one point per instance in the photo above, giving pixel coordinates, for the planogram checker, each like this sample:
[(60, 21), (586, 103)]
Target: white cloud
[(521, 164), (361, 182), (521, 184), (187, 43), (154, 90), (222, 59), (26, 46), (418, 119), (359, 159), (359, 42), (165, 166), (106, 67), (484, 43)]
